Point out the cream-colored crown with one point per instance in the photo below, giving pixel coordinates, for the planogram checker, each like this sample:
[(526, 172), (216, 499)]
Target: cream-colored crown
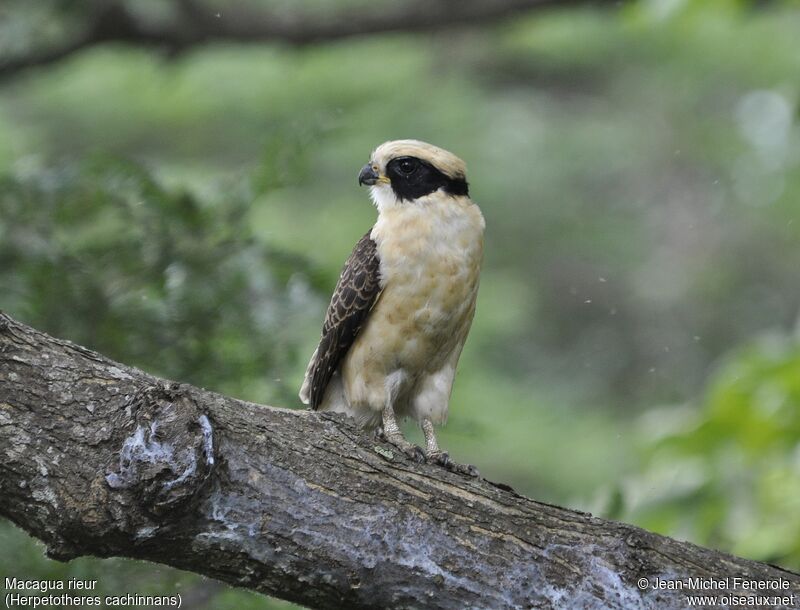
[(443, 160)]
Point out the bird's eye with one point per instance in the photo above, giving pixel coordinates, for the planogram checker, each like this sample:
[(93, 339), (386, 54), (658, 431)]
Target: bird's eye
[(407, 166)]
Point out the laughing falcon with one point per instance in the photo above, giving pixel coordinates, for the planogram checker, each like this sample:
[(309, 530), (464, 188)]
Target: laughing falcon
[(405, 299)]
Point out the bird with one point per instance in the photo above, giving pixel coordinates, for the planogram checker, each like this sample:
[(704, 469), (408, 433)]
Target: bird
[(404, 302)]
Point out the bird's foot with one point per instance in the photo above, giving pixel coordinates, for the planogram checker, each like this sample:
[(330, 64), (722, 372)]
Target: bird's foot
[(399, 441), (442, 459)]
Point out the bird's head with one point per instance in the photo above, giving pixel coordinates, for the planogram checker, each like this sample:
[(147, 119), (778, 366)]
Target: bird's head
[(403, 171)]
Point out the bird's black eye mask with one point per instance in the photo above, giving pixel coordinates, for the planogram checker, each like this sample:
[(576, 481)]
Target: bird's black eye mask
[(412, 178)]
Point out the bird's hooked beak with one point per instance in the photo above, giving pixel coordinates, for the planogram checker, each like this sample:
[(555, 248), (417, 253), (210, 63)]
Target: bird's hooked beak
[(367, 175)]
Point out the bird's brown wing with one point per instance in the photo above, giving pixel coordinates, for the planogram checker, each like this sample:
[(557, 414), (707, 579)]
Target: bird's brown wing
[(355, 294)]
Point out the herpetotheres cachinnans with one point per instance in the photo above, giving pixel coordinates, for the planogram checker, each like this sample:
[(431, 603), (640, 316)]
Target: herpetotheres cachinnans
[(404, 302)]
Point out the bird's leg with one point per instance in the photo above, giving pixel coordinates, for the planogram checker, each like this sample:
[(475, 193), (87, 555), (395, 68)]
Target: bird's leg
[(392, 433), (432, 451), (437, 456)]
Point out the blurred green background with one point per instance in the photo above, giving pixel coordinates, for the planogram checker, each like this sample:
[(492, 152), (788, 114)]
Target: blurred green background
[(635, 350)]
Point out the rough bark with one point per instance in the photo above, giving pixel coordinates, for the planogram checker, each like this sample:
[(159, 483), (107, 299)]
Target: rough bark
[(101, 459), (196, 24)]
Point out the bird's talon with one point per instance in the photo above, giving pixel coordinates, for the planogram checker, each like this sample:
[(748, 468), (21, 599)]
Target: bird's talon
[(443, 459), (470, 470), (409, 449), (466, 469), (416, 454), (439, 457)]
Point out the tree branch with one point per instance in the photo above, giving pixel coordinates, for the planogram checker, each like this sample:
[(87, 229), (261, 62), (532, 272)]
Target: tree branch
[(102, 459), (196, 25)]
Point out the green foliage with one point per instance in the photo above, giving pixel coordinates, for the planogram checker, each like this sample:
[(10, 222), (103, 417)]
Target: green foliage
[(164, 281), (623, 159), (727, 473)]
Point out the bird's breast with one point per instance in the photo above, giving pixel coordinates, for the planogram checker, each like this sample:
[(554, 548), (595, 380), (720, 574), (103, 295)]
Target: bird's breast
[(430, 256), (430, 262)]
